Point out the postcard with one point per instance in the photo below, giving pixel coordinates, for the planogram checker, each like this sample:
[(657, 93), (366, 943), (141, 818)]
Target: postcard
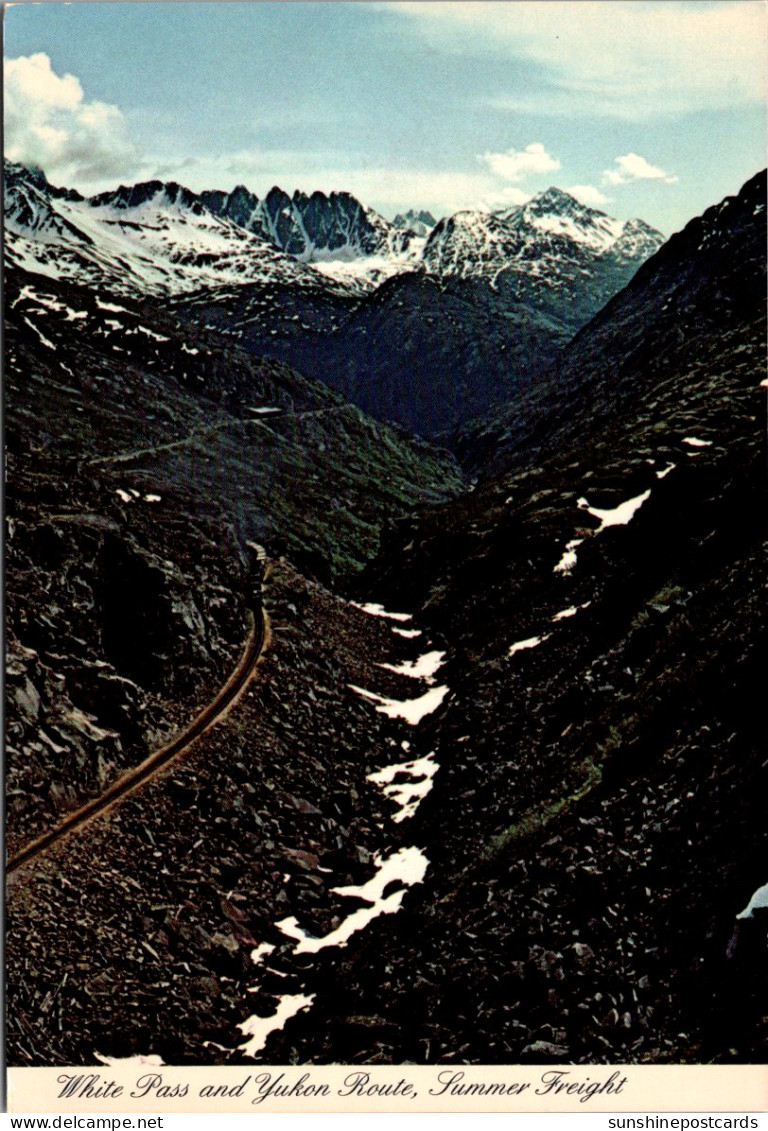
[(384, 415)]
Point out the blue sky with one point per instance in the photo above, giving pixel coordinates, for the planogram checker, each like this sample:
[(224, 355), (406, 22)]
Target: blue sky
[(652, 108)]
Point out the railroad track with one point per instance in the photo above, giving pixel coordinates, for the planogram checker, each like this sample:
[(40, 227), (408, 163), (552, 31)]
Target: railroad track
[(216, 709)]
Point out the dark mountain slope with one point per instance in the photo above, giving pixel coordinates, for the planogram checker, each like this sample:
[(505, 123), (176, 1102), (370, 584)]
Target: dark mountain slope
[(232, 433), (598, 818), (406, 353)]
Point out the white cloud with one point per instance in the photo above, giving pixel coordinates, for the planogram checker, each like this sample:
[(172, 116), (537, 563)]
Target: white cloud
[(48, 123), (502, 198), (588, 195), (516, 164), (631, 168), (616, 58)]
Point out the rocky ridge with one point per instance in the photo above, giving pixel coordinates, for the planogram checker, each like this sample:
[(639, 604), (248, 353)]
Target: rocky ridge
[(308, 228)]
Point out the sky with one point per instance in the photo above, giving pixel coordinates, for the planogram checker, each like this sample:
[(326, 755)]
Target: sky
[(650, 108)]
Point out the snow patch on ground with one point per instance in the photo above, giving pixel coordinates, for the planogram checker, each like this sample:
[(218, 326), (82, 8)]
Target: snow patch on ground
[(119, 1061), (25, 292), (418, 773), (571, 611), (152, 334), (612, 516), (259, 953), (408, 633), (531, 642), (40, 335), (111, 306), (616, 516), (665, 471), (422, 668), (407, 865), (568, 560), (259, 1028), (379, 611), (695, 442), (412, 710)]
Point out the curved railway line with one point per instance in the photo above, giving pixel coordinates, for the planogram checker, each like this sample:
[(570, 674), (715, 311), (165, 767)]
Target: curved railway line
[(255, 646)]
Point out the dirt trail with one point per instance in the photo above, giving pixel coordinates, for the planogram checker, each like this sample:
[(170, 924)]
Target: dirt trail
[(213, 712)]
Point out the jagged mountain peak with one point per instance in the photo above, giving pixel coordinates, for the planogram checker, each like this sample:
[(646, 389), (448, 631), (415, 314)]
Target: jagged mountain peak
[(154, 237), (558, 212), (18, 176), (420, 222), (16, 172), (160, 193), (277, 198), (237, 205), (556, 198), (307, 227)]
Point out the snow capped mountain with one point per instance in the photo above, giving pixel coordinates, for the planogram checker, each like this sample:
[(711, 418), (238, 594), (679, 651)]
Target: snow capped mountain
[(151, 238), (162, 238), (149, 195), (559, 213), (470, 244), (549, 231), (553, 253), (638, 241)]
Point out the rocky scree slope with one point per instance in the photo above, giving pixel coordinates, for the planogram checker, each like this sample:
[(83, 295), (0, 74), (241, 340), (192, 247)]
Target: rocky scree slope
[(119, 620), (163, 904)]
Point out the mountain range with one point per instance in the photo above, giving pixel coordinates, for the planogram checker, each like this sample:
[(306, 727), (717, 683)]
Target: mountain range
[(164, 221), (341, 294), (512, 690)]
